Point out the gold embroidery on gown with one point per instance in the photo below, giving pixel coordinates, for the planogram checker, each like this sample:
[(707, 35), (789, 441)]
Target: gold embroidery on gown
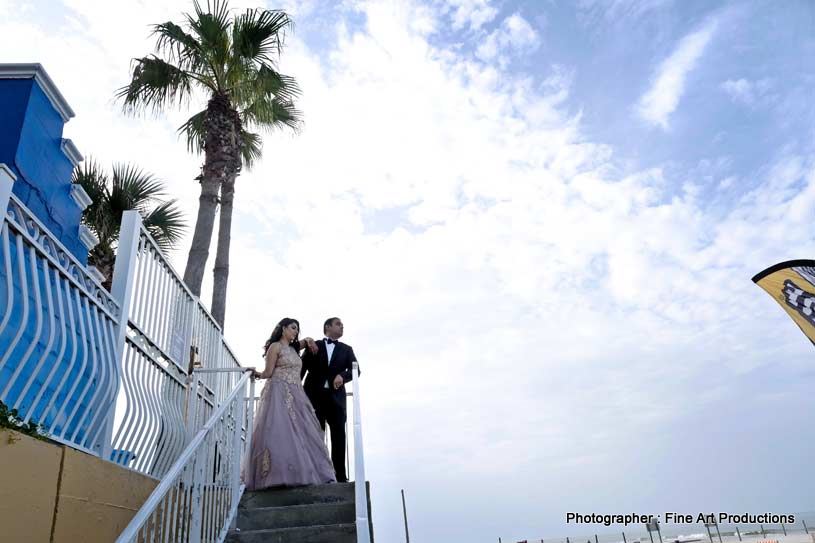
[(287, 371), (265, 463)]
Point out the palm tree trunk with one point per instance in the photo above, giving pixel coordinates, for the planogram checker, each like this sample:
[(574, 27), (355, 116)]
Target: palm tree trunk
[(221, 147), (221, 271)]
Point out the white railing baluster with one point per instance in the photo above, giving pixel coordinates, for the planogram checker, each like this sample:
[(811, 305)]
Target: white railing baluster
[(62, 346), (24, 299), (83, 346), (66, 375), (8, 268), (360, 485), (7, 179), (21, 363), (47, 350), (103, 384), (131, 406), (87, 344)]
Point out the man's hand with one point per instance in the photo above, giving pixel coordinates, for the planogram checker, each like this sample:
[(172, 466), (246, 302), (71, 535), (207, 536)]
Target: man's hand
[(338, 381), (312, 345)]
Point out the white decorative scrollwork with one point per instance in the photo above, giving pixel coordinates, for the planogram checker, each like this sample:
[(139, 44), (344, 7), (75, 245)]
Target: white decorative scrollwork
[(26, 223)]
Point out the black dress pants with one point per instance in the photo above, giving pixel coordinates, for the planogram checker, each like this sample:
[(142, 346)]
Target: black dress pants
[(328, 411)]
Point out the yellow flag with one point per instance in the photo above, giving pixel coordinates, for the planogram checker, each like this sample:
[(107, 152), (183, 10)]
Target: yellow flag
[(792, 284)]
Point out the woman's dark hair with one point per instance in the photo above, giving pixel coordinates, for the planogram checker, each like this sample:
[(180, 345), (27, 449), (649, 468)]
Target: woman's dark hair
[(277, 333)]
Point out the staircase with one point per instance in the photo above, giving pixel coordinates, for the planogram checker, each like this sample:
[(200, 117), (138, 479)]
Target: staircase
[(312, 514)]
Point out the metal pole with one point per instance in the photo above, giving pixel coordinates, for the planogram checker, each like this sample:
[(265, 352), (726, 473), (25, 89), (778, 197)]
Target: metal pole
[(659, 533), (595, 539), (649, 535), (784, 528), (805, 526), (624, 540), (708, 532), (738, 533), (718, 532), (763, 533), (404, 512)]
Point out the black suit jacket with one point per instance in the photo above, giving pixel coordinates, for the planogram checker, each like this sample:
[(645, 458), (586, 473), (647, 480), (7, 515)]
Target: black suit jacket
[(317, 371)]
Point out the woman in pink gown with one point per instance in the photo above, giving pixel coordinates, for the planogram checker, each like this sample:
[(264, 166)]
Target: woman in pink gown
[(288, 448)]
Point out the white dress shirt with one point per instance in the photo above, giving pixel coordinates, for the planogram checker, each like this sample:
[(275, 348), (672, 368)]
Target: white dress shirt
[(329, 351)]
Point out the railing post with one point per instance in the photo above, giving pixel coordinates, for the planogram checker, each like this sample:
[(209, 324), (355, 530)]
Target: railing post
[(250, 421), (197, 494), (124, 273), (237, 453), (360, 484), (7, 179)]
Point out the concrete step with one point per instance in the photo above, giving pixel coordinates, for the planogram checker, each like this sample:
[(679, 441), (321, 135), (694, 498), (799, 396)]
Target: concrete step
[(303, 495), (291, 516), (334, 533)]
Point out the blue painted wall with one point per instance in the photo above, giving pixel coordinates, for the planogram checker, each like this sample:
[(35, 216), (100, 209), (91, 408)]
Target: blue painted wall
[(30, 143)]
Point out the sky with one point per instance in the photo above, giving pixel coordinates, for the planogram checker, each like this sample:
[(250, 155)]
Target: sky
[(538, 221)]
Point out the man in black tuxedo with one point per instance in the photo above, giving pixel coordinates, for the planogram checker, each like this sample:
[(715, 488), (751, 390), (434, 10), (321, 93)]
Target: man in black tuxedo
[(326, 373)]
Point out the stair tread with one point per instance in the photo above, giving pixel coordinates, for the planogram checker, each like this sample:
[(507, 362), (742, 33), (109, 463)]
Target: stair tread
[(301, 495), (297, 506), (296, 528), (303, 515), (326, 533)]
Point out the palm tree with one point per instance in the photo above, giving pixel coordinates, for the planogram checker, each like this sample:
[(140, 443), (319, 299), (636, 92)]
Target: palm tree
[(127, 188), (231, 60)]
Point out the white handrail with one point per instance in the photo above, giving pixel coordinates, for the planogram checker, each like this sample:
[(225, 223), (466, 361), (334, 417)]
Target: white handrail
[(360, 485), (159, 497)]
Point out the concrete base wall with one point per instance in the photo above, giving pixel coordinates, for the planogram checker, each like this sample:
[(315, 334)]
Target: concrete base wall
[(51, 493)]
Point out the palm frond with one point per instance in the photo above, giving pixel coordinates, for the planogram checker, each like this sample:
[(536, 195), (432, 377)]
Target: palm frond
[(132, 188), (251, 148), (212, 28), (180, 47), (155, 84), (166, 224), (94, 181), (264, 82), (193, 129), (271, 113), (259, 33)]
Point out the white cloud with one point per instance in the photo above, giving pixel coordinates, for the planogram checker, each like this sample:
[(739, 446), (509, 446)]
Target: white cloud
[(668, 84), (472, 14), (515, 35), (747, 92)]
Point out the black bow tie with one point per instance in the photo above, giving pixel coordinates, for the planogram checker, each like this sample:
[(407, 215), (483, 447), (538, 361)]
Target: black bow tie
[(327, 341)]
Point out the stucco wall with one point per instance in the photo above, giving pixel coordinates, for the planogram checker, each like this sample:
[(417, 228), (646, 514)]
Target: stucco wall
[(52, 493)]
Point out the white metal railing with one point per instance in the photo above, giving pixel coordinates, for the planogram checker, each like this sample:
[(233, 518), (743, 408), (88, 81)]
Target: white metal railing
[(168, 332), (66, 344), (58, 330), (198, 497)]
